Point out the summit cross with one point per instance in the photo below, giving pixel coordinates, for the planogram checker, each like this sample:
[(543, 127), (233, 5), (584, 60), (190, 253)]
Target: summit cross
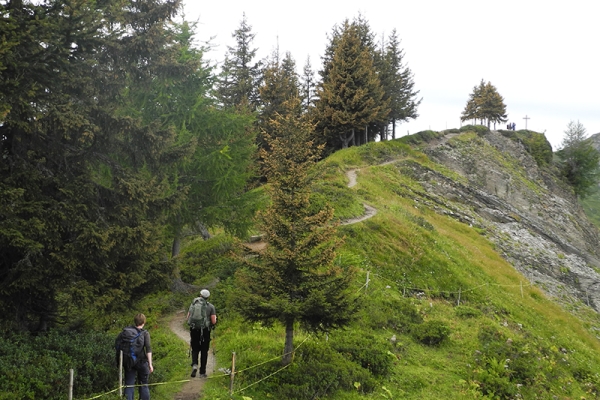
[(526, 118)]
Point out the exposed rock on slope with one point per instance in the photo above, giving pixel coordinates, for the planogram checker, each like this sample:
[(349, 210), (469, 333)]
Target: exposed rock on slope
[(533, 218)]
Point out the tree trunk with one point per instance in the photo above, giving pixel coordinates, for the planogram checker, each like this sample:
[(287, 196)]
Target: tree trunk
[(346, 140), (393, 129), (200, 227), (176, 247), (366, 137), (288, 348)]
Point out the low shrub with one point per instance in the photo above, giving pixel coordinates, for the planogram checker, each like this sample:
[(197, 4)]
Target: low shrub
[(398, 314), (37, 367), (431, 333), (479, 129), (420, 137), (207, 259), (467, 312), (365, 350), (318, 371)]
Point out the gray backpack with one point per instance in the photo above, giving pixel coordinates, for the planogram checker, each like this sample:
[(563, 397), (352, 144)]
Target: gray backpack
[(199, 314)]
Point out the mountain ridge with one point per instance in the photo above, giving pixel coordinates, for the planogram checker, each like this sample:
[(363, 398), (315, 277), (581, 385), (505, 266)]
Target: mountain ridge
[(522, 207)]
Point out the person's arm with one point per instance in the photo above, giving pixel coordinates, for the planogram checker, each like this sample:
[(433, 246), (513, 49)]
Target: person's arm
[(213, 315), (149, 355), (148, 346)]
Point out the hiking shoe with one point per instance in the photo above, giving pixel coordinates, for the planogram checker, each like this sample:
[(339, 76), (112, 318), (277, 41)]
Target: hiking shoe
[(203, 376), (194, 370)]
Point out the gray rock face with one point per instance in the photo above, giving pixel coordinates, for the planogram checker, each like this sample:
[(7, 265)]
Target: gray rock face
[(533, 218)]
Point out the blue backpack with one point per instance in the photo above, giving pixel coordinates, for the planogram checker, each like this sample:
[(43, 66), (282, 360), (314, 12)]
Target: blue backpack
[(131, 343)]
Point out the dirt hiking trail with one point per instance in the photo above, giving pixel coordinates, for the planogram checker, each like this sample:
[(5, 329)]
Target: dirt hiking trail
[(191, 390)]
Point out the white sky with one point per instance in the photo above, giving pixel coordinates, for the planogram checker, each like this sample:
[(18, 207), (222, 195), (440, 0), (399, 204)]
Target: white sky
[(542, 56)]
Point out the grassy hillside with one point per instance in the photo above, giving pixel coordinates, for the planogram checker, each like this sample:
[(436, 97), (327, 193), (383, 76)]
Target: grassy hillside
[(591, 205), (441, 314)]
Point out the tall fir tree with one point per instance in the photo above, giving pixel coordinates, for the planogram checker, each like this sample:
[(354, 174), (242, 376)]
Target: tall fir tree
[(83, 185), (492, 106), (307, 87), (240, 77), (398, 84), (350, 97), (579, 160), (295, 279), (485, 104), (216, 146), (280, 84), (472, 110)]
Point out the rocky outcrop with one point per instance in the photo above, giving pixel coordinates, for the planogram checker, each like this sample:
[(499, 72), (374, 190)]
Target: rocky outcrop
[(533, 218)]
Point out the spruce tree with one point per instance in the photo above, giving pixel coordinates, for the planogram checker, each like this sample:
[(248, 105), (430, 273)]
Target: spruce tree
[(280, 84), (350, 97), (472, 109), (492, 105), (83, 184), (579, 160), (398, 84), (307, 87), (485, 104), (295, 279), (240, 78)]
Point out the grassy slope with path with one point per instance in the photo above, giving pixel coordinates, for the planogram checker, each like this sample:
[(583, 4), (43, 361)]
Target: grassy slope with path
[(417, 260)]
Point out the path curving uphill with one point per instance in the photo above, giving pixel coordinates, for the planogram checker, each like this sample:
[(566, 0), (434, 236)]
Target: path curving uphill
[(192, 390), (369, 211)]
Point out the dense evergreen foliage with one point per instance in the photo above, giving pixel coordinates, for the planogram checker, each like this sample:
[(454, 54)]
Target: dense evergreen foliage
[(485, 104), (296, 281), (240, 75), (37, 367), (83, 183), (579, 160), (118, 142), (350, 96), (111, 146), (398, 85)]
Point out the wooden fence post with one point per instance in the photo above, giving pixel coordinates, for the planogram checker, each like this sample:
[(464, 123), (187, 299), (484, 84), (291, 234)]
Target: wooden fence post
[(232, 374), (71, 384), (121, 373)]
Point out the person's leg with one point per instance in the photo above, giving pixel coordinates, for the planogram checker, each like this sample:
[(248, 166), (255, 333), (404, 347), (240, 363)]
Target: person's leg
[(129, 382), (204, 346), (143, 373), (195, 339)]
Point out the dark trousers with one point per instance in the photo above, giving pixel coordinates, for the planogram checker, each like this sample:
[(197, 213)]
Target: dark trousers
[(141, 371), (200, 341)]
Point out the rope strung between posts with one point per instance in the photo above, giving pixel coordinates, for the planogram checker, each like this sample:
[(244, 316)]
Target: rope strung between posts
[(529, 284), (210, 377)]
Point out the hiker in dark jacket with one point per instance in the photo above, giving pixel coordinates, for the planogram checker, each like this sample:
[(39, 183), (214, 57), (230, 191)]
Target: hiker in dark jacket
[(143, 366), (200, 335)]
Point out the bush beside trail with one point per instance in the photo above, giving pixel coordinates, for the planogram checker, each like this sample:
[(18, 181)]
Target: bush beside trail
[(37, 367)]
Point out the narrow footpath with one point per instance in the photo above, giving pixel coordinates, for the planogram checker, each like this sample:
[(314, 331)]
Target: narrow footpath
[(369, 211), (191, 390)]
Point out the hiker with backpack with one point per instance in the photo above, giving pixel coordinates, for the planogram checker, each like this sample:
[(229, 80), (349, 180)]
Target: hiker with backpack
[(134, 342), (201, 318)]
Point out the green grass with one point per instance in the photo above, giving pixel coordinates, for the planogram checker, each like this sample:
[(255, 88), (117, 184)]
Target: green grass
[(591, 206), (506, 339)]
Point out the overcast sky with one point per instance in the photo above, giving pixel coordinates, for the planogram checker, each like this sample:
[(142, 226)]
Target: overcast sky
[(541, 56)]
